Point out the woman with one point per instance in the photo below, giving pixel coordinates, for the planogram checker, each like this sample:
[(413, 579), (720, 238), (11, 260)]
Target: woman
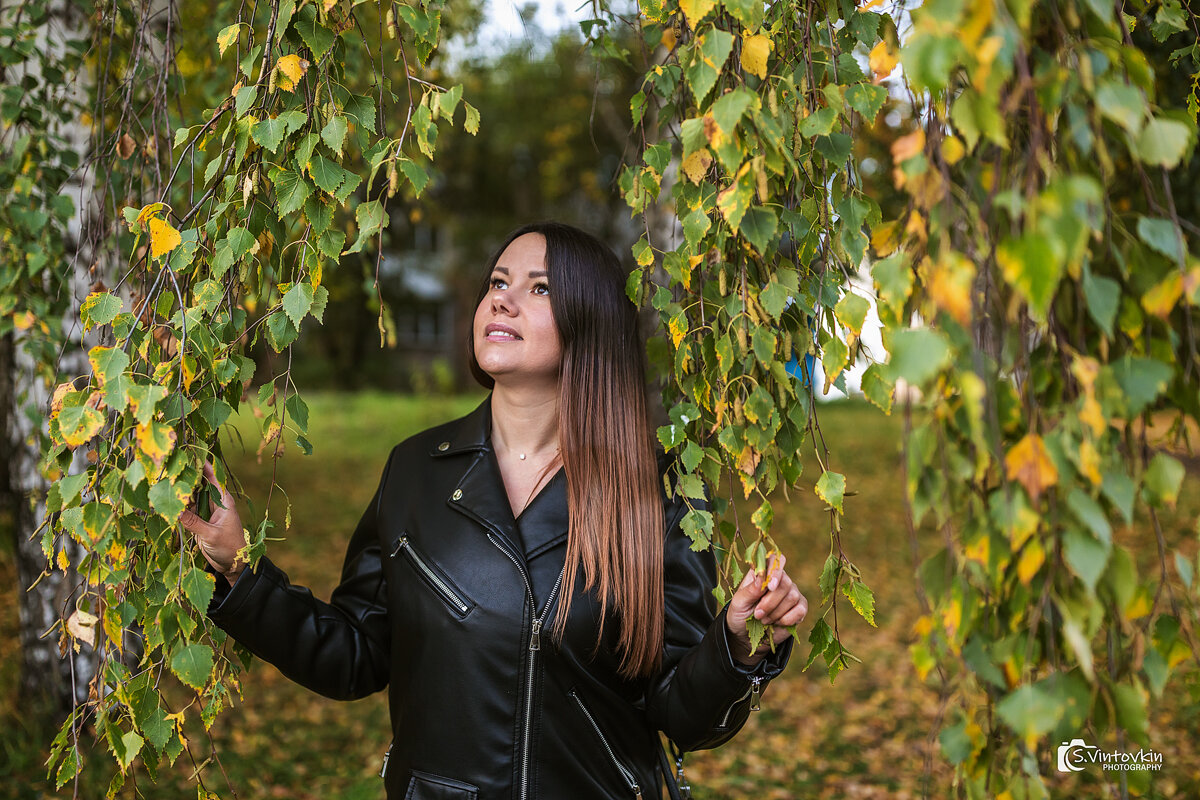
[(520, 580)]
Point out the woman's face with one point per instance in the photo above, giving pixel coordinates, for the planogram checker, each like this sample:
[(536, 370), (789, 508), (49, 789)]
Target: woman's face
[(514, 333)]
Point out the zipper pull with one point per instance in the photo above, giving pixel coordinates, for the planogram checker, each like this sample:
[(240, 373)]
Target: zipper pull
[(755, 692), (386, 756), (535, 640), (400, 545), (637, 791)]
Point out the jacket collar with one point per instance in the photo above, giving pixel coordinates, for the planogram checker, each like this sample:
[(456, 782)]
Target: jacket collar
[(480, 492)]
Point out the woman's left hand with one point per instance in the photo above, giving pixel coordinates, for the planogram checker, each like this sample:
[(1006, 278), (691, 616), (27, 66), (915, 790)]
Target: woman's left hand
[(773, 600)]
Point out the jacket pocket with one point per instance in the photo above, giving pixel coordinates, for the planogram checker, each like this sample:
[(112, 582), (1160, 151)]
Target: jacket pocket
[(454, 598), (427, 786), (630, 780)]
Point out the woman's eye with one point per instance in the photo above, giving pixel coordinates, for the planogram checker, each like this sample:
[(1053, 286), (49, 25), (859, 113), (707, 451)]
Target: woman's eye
[(541, 288), (498, 283)]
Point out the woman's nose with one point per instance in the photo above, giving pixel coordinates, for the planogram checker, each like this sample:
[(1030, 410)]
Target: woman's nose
[(502, 302)]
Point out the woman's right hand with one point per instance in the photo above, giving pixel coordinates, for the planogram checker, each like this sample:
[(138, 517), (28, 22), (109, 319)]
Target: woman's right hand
[(220, 537)]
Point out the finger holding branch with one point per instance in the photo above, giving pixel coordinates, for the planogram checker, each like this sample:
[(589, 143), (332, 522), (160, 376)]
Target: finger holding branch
[(773, 600), (220, 537)]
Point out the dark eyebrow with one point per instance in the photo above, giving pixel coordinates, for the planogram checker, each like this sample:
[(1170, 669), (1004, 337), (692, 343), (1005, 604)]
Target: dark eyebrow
[(537, 273)]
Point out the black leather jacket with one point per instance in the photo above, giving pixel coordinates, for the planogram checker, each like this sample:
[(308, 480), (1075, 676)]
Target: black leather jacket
[(442, 599)]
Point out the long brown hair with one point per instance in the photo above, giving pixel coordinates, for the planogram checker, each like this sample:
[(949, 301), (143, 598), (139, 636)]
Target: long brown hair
[(613, 495)]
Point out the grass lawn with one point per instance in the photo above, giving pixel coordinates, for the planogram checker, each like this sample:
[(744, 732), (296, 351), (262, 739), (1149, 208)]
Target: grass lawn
[(872, 734)]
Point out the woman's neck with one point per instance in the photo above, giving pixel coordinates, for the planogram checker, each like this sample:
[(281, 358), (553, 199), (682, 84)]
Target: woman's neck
[(524, 420)]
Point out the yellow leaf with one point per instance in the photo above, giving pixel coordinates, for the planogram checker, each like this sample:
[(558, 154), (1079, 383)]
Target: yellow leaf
[(882, 61), (669, 37), (952, 619), (755, 50), (291, 69), (156, 440), (1012, 675), (163, 237), (923, 626), (978, 550), (1028, 463), (1140, 605), (1032, 558), (63, 561), (678, 328), (149, 211), (885, 238), (1178, 653), (695, 10), (24, 321), (695, 166), (867, 6), (1160, 300), (1023, 524), (227, 37), (950, 286), (953, 149), (1089, 461)]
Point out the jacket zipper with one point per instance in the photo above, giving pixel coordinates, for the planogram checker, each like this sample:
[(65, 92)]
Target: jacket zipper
[(449, 594), (535, 644), (633, 784), (386, 756), (754, 693)]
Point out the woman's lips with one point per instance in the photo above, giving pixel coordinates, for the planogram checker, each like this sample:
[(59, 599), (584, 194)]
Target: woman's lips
[(500, 333)]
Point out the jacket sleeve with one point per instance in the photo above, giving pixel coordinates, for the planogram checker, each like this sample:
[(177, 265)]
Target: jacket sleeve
[(339, 649), (702, 697)]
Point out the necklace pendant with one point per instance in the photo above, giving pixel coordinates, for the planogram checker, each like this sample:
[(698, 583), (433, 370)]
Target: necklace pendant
[(522, 456)]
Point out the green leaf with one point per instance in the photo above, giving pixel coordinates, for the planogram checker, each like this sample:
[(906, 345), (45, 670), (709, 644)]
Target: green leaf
[(334, 133), (416, 174), (361, 111), (862, 598), (297, 411), (326, 174), (831, 487), (1142, 380), (955, 743), (819, 123), (1162, 236), (1131, 712), (730, 107), (471, 122), (917, 355), (1163, 143), (758, 225), (695, 225), (820, 637), (1163, 480), (100, 308), (126, 748), (1120, 491), (697, 525), (1089, 512), (1034, 267), (708, 59), (193, 663), (199, 586), (867, 99), (291, 190), (852, 311), (108, 363), (1103, 296), (877, 389), (1086, 555), (318, 38), (1030, 711), (1122, 103), (269, 132), (370, 218), (168, 500), (297, 302), (834, 354), (78, 424)]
